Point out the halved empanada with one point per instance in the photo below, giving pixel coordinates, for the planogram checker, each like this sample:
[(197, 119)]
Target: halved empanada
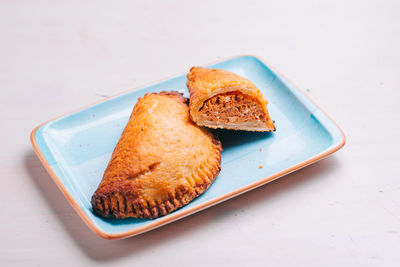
[(161, 162), (221, 99)]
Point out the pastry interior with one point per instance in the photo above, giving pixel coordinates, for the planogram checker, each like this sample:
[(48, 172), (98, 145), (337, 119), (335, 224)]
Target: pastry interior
[(233, 110)]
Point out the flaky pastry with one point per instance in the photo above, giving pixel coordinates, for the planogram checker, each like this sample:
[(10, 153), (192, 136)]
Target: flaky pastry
[(161, 162), (221, 99)]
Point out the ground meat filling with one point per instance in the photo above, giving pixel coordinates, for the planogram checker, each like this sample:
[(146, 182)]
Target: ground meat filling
[(232, 107)]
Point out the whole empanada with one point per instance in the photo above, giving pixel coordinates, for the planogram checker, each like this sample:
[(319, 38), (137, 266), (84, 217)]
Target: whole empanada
[(221, 99), (161, 162)]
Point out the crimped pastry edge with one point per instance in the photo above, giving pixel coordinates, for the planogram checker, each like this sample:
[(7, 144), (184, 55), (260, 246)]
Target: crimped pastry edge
[(119, 206)]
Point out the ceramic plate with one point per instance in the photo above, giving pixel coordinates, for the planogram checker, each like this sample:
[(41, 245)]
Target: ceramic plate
[(75, 148)]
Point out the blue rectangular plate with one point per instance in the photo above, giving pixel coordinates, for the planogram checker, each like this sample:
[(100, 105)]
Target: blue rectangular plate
[(75, 148)]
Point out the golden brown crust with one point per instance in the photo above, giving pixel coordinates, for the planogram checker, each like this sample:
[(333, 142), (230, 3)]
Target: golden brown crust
[(205, 83), (161, 162)]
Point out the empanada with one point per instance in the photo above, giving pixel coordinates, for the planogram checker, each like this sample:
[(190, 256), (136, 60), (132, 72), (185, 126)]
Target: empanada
[(161, 162), (221, 99)]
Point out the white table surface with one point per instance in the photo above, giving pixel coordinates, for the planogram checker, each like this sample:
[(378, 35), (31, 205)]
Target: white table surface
[(343, 211)]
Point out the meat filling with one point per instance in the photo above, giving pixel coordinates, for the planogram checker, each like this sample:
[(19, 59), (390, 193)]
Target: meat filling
[(232, 107)]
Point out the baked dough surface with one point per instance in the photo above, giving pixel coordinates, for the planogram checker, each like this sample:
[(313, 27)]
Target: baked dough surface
[(161, 162), (247, 110)]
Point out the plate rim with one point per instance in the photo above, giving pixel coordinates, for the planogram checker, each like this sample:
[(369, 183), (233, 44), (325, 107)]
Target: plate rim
[(183, 213)]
